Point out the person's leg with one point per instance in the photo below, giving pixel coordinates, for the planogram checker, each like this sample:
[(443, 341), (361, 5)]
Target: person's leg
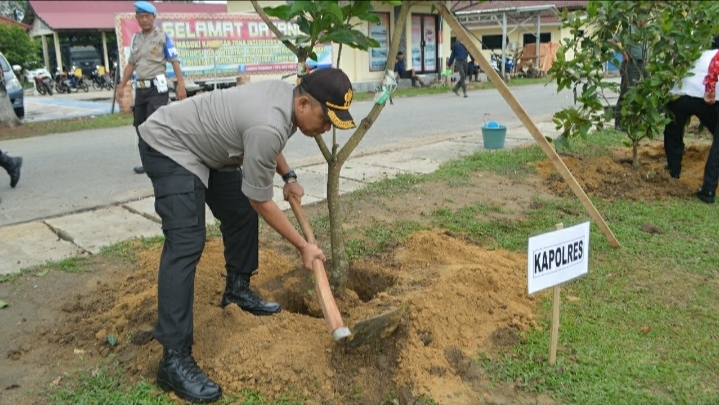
[(180, 203), (707, 192), (139, 114), (12, 166), (239, 227), (674, 134), (462, 69)]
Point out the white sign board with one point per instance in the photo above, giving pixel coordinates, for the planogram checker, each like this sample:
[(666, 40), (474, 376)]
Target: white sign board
[(556, 257)]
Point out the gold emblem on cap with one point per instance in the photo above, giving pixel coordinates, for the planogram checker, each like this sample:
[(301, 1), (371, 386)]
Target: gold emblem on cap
[(346, 106), (337, 122)]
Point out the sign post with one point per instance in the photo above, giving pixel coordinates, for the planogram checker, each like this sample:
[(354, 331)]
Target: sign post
[(552, 259)]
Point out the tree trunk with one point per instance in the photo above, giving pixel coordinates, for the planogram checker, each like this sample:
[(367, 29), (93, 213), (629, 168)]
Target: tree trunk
[(635, 154), (7, 114), (340, 262), (336, 158)]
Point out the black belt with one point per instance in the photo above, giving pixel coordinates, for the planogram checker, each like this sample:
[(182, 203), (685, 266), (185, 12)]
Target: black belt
[(145, 84)]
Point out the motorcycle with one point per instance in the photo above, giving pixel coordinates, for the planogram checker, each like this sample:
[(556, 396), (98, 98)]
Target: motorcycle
[(495, 61), (80, 81), (100, 80), (43, 82)]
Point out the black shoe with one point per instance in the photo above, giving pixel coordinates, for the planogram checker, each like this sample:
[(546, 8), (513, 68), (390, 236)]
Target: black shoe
[(465, 95), (707, 196), (237, 291), (12, 166), (139, 169), (619, 128), (456, 92), (178, 372)]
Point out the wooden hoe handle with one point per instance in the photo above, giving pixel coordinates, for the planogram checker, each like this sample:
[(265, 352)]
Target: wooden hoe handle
[(322, 285)]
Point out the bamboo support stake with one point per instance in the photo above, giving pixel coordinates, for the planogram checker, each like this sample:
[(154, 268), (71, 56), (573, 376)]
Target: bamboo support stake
[(462, 34), (554, 334)]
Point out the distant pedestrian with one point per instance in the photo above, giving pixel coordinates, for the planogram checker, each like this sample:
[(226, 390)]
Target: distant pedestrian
[(631, 70), (12, 165), (150, 52), (400, 67), (460, 55)]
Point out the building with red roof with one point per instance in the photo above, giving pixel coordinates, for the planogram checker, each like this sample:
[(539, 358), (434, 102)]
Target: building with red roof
[(72, 19)]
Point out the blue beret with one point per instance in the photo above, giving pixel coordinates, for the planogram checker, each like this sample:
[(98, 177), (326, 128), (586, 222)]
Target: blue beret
[(144, 7)]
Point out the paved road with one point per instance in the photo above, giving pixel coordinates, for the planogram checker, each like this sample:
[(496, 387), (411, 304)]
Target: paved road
[(77, 171)]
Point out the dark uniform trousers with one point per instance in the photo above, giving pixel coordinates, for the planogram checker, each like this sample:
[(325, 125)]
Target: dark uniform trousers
[(147, 101), (681, 110), (462, 70), (180, 198)]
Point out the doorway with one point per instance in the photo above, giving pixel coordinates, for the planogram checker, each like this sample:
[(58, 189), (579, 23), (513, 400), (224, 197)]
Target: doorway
[(424, 43)]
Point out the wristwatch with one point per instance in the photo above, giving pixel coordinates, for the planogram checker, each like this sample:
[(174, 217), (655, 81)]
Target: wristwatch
[(289, 175)]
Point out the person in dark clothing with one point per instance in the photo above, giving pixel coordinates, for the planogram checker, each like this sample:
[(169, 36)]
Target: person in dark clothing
[(12, 165), (707, 192), (632, 69), (690, 102), (400, 68), (459, 54), (472, 69)]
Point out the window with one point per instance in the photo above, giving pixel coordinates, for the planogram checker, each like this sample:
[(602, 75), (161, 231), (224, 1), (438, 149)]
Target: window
[(380, 33), (544, 37), (492, 42)]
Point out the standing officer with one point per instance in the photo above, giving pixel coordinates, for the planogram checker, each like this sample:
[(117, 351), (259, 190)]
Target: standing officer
[(150, 51), (460, 54), (223, 149)]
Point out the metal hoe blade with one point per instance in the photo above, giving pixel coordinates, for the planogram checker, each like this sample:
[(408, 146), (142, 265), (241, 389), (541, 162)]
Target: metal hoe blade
[(375, 329)]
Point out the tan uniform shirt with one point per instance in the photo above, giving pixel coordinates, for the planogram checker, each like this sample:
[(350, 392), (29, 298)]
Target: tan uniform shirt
[(148, 54), (223, 129)]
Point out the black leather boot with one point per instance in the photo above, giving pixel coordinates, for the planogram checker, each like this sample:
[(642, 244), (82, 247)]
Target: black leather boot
[(237, 291), (705, 195), (178, 372), (12, 166)]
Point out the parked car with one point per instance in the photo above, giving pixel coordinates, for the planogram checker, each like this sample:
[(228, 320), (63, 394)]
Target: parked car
[(13, 87)]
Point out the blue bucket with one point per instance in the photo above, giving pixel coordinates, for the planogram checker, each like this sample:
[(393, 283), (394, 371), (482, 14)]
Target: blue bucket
[(493, 135)]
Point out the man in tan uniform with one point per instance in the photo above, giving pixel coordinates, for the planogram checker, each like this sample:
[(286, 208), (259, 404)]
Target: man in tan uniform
[(224, 148), (150, 51)]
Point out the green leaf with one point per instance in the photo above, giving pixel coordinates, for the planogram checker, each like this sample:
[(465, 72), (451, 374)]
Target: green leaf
[(112, 340), (284, 13), (3, 304), (42, 273), (332, 9)]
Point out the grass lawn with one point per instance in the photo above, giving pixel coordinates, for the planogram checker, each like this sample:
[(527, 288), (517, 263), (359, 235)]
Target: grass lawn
[(640, 328), (70, 125)]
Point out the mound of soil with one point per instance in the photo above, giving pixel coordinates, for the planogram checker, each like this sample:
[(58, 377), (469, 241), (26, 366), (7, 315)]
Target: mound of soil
[(611, 177), (458, 298)]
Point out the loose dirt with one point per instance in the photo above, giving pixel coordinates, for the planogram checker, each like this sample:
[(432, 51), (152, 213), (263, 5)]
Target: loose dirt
[(460, 299)]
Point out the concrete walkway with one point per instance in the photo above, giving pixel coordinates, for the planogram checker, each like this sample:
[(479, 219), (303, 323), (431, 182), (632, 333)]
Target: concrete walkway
[(83, 233)]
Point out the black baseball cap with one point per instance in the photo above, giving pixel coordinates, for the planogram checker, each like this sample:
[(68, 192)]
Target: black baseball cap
[(332, 88)]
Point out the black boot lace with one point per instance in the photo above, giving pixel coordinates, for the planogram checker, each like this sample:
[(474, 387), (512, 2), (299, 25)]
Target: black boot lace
[(189, 367)]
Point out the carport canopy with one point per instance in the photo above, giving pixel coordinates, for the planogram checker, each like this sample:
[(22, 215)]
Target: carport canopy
[(520, 16)]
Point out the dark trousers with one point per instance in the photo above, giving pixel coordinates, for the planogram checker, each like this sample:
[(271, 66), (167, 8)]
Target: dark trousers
[(462, 69), (681, 110), (147, 101), (180, 199), (711, 170), (631, 71)]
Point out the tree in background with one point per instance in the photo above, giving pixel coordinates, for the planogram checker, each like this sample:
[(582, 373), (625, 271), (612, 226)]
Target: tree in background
[(18, 48), (675, 34), (324, 22)]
